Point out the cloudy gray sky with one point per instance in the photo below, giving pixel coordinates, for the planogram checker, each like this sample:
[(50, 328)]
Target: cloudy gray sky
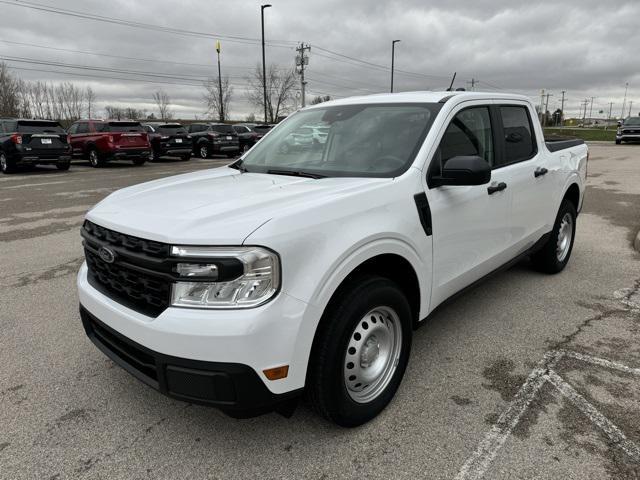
[(587, 47)]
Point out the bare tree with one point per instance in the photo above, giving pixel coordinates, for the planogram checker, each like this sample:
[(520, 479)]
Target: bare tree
[(90, 97), (212, 97), (251, 118), (114, 113), (280, 88), (9, 93), (163, 102)]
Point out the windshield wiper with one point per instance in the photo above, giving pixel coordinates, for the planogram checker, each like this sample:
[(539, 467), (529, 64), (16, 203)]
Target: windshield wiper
[(296, 173)]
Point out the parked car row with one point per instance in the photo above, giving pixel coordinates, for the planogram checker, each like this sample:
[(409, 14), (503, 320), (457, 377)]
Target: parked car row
[(26, 142)]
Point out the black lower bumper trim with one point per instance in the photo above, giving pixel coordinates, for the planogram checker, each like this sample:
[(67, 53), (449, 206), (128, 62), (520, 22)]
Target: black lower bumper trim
[(234, 388)]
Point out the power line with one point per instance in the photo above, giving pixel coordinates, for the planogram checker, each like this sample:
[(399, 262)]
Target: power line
[(147, 26)]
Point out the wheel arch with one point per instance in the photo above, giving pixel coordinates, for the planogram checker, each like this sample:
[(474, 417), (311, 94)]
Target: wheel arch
[(572, 193)]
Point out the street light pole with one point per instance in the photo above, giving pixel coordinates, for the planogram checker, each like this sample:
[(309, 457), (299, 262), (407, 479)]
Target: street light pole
[(220, 82), (393, 55), (264, 73)]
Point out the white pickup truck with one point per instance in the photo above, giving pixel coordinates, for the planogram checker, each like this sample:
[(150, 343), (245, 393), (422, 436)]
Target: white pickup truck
[(306, 270)]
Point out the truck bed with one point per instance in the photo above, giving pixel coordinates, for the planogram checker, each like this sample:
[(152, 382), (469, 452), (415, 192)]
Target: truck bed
[(556, 143)]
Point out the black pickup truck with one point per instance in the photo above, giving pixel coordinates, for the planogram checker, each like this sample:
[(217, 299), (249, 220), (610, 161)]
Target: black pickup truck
[(33, 142)]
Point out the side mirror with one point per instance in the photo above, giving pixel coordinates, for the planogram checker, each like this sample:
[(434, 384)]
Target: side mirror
[(464, 170)]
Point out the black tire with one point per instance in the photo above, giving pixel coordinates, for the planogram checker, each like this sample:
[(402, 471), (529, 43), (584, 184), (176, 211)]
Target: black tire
[(95, 159), (203, 151), (6, 164), (327, 389), (139, 161), (63, 165), (618, 141), (185, 157), (549, 258), (155, 156), (245, 148)]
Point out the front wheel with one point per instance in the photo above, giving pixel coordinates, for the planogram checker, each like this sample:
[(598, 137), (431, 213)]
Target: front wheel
[(360, 352), (618, 141), (554, 255)]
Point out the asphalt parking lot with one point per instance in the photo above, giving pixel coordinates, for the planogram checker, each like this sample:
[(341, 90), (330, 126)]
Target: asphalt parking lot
[(526, 376)]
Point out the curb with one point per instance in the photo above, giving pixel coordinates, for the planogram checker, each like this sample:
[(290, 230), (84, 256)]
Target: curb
[(636, 244)]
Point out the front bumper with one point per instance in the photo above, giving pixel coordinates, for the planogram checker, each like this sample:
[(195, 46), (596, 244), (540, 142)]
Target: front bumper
[(277, 333), (234, 388), (628, 136)]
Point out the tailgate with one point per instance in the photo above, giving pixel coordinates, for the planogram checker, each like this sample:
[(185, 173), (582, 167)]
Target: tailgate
[(45, 143), (130, 140)]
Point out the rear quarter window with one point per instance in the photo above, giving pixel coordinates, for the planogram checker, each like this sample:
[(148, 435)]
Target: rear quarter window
[(519, 137)]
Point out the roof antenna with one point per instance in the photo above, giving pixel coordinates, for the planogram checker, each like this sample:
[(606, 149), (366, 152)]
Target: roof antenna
[(452, 80)]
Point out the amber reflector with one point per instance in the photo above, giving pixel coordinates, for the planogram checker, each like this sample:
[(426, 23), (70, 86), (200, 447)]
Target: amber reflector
[(277, 373)]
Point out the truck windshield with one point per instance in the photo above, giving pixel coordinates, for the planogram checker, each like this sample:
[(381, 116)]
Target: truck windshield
[(632, 121), (31, 126), (372, 140)]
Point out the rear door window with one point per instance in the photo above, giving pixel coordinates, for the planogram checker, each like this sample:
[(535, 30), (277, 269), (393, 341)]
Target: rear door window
[(519, 137), (83, 128)]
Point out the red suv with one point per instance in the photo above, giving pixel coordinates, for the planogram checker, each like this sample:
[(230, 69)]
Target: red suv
[(104, 140)]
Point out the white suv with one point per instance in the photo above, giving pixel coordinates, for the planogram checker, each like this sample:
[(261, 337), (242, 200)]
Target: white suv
[(243, 286)]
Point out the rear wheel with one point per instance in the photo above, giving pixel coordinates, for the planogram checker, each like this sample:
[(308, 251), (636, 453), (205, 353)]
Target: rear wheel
[(203, 151), (94, 158), (360, 352), (139, 161), (63, 165), (6, 165), (554, 255)]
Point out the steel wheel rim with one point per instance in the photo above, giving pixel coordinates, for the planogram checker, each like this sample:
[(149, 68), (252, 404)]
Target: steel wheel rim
[(372, 354), (245, 149), (204, 152), (3, 162), (565, 235), (93, 157)]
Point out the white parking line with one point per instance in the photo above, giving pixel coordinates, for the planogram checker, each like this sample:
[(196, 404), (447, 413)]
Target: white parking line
[(477, 464), (613, 432)]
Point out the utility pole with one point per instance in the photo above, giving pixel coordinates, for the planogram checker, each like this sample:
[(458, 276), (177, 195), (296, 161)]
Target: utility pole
[(546, 109), (393, 60), (591, 111), (609, 116), (221, 112), (562, 109), (630, 107), (541, 105), (584, 115), (624, 102), (301, 61), (264, 67), (472, 83)]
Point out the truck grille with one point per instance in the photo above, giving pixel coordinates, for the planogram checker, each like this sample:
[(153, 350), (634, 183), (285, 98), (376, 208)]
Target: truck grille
[(139, 277)]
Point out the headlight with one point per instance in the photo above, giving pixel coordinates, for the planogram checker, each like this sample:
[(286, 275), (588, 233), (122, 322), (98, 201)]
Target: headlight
[(219, 277)]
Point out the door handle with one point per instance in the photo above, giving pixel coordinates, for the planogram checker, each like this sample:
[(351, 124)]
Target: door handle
[(540, 171), (496, 188)]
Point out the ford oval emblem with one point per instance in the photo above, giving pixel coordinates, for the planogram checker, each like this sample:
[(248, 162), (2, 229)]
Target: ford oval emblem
[(107, 254)]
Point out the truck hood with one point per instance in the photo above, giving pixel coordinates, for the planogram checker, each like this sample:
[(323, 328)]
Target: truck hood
[(216, 207)]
